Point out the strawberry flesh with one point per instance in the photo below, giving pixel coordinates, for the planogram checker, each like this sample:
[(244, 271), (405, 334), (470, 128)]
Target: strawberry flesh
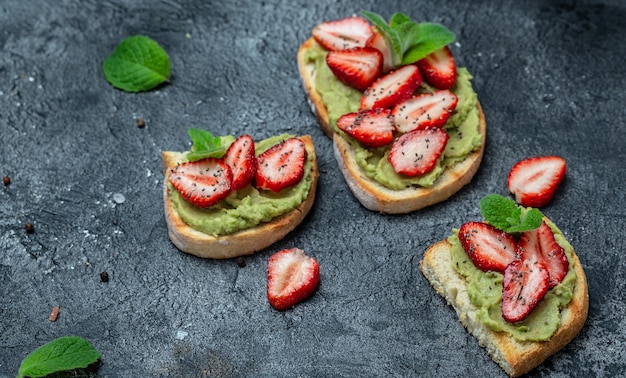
[(534, 181), (489, 249), (525, 283), (372, 127), (392, 88), (378, 42), (343, 34), (439, 68), (417, 152), (281, 166), (242, 161), (539, 245), (425, 110), (204, 182), (358, 67), (292, 276)]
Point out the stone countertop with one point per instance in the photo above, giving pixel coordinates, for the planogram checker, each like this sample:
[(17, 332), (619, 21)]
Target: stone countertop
[(551, 79)]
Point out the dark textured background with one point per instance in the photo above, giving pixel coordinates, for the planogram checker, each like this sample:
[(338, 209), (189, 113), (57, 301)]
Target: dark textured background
[(549, 74)]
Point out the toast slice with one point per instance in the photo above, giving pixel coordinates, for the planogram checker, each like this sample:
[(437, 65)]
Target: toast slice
[(514, 357), (373, 195), (244, 242)]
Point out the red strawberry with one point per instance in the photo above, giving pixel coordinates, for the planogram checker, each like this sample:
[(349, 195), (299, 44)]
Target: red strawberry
[(281, 166), (425, 110), (343, 34), (487, 247), (417, 152), (378, 42), (372, 127), (242, 161), (392, 88), (358, 67), (204, 182), (439, 68), (533, 181), (539, 245), (292, 276), (524, 284)]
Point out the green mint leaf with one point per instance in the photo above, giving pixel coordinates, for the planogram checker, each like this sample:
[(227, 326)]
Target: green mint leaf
[(64, 353), (391, 36), (206, 145), (505, 215), (137, 64), (432, 37)]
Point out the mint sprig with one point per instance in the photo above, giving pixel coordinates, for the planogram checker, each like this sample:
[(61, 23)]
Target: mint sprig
[(137, 64), (505, 215), (206, 145), (62, 354), (409, 41)]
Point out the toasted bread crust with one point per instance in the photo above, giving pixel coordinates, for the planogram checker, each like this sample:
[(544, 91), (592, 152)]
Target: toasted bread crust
[(514, 357), (245, 242), (370, 193)]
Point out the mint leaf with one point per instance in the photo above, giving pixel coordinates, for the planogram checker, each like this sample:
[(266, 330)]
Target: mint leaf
[(137, 64), (206, 145), (505, 215), (431, 38), (64, 353)]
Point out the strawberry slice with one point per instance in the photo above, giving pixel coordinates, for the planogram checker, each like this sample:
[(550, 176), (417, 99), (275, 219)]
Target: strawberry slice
[(425, 110), (343, 34), (489, 249), (392, 88), (534, 181), (281, 166), (204, 182), (292, 276), (439, 68), (524, 284), (358, 67), (378, 42), (242, 161), (371, 127), (417, 152), (539, 245)]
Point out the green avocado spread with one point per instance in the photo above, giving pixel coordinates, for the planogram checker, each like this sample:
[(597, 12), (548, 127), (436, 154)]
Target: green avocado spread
[(248, 207), (462, 126), (485, 292)]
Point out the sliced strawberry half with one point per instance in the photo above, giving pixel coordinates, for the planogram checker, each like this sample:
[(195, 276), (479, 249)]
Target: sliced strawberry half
[(439, 68), (524, 285), (489, 249), (292, 276), (378, 42), (281, 166), (417, 152), (242, 161), (534, 181), (540, 245), (392, 88), (204, 182), (425, 110), (343, 34), (371, 127), (358, 67)]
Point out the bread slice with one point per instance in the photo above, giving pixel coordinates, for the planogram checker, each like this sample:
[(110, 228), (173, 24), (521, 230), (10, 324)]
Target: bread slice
[(370, 193), (245, 242), (514, 357)]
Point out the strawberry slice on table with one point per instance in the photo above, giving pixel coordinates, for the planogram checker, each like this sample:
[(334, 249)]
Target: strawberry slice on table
[(378, 42), (425, 110), (417, 152), (539, 245), (489, 249), (242, 161), (204, 182), (371, 127), (292, 276), (524, 285), (343, 34), (534, 181), (281, 166), (392, 88), (439, 68), (358, 67)]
